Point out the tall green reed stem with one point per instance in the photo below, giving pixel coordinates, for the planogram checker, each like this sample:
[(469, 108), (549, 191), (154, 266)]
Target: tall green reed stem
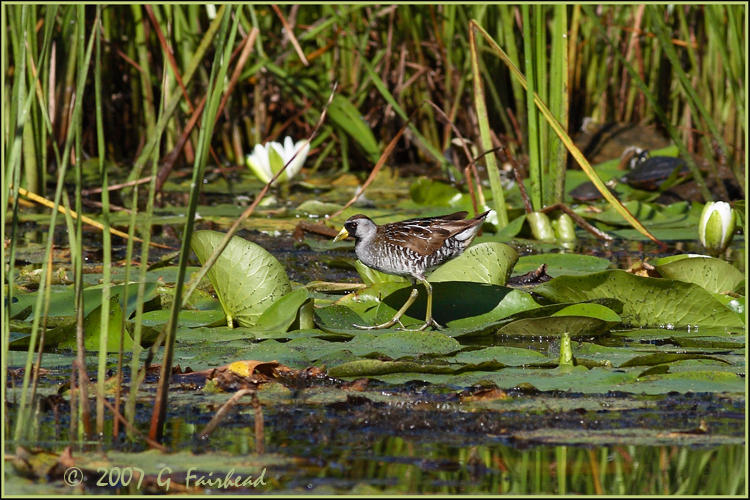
[(223, 43), (498, 197), (84, 61)]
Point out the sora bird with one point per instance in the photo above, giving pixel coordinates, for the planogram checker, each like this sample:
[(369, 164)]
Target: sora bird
[(411, 248)]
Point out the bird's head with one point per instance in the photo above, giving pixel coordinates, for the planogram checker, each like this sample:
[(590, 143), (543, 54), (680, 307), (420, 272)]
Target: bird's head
[(357, 226)]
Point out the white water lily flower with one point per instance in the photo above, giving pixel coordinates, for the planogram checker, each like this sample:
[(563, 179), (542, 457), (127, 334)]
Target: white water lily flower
[(716, 227), (268, 159)]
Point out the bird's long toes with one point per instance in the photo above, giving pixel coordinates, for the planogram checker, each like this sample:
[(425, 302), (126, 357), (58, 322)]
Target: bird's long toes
[(431, 323), (367, 327)]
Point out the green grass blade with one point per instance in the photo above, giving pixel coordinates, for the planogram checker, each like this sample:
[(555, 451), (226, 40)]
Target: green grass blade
[(577, 154), (498, 197)]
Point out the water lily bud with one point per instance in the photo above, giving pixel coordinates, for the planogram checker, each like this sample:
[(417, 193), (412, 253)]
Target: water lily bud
[(541, 228), (716, 227), (565, 230)]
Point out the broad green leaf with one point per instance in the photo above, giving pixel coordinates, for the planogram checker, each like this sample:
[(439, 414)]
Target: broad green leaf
[(188, 318), (62, 299), (559, 264), (715, 275), (512, 229), (465, 308), (665, 357), (646, 301), (317, 208), (282, 313), (92, 328), (508, 356), (400, 344), (247, 278), (373, 367), (337, 318), (489, 262), (425, 191), (575, 320)]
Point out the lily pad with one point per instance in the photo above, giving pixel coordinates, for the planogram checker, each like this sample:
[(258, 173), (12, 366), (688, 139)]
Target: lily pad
[(92, 327), (247, 278), (508, 356), (374, 367), (489, 262), (187, 318), (464, 307), (559, 264), (576, 320), (646, 301), (425, 191), (715, 275), (282, 313), (400, 344), (62, 299)]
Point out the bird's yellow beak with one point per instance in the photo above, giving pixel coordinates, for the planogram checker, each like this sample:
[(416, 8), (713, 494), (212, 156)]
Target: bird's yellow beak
[(342, 234)]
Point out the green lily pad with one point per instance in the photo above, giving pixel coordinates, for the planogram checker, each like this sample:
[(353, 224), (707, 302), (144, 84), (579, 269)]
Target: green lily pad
[(576, 320), (715, 275), (665, 357), (317, 208), (646, 301), (187, 318), (426, 191), (247, 278), (282, 313), (399, 344), (508, 356), (464, 307), (92, 327), (489, 262), (337, 318), (559, 264), (374, 367), (62, 299)]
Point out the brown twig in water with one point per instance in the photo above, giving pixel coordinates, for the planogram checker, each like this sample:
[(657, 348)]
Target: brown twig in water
[(221, 413), (135, 431), (259, 426)]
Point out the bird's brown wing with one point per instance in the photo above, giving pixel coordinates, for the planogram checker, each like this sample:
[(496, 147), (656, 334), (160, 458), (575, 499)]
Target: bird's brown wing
[(426, 235)]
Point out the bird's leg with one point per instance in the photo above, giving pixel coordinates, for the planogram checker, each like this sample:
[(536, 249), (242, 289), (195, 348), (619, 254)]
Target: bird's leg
[(428, 321), (397, 317)]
